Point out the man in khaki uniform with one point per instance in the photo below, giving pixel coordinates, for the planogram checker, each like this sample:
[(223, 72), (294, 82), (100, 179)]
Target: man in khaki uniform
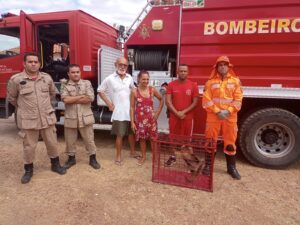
[(77, 95), (31, 92)]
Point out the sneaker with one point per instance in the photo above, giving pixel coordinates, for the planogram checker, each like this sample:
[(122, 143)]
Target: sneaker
[(170, 161)]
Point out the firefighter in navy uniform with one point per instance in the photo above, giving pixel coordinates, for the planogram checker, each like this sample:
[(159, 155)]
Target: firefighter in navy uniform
[(222, 99), (31, 92)]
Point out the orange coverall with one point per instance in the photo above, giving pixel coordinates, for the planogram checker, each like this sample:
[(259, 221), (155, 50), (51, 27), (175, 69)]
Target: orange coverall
[(220, 95)]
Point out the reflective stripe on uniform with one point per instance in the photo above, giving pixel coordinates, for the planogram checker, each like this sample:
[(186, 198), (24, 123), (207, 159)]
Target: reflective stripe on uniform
[(214, 86), (207, 104), (237, 104), (221, 100), (230, 85)]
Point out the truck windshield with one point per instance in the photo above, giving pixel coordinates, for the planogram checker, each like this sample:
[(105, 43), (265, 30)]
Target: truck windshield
[(9, 42)]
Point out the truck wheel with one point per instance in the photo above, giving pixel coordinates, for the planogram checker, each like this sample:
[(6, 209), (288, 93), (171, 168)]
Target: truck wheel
[(271, 138)]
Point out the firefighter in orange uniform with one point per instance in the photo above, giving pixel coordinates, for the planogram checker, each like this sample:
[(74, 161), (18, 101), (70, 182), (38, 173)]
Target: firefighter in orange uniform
[(222, 99)]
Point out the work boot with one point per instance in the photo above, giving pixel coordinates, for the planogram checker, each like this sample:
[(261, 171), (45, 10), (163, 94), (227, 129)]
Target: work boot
[(71, 162), (231, 169), (28, 173), (56, 167), (93, 162)]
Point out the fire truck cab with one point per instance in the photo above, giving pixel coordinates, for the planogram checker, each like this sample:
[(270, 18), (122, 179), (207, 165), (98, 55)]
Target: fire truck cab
[(60, 38)]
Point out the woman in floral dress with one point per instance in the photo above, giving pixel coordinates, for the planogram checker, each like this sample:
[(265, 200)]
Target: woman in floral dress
[(142, 115)]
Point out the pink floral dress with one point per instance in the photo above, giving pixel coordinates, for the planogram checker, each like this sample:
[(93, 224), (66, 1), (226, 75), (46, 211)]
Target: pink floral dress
[(144, 117)]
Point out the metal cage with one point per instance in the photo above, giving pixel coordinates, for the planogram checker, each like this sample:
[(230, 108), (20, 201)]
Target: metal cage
[(184, 161)]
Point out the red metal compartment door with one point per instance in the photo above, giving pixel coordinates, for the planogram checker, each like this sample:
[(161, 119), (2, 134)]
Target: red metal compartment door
[(27, 38), (13, 63)]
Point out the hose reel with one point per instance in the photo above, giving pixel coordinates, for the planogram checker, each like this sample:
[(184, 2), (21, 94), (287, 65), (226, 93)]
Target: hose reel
[(155, 60)]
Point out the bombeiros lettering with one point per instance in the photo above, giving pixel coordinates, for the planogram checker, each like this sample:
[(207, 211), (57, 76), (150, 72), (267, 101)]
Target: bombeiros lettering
[(263, 26)]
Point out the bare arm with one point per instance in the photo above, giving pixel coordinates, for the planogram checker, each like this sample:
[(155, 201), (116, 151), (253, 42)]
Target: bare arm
[(171, 107), (192, 106), (107, 101), (132, 109), (161, 103)]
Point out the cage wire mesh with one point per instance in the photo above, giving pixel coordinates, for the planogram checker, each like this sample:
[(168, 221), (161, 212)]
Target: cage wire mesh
[(184, 161)]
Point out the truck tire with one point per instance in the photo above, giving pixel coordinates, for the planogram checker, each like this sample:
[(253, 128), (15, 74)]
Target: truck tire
[(270, 138)]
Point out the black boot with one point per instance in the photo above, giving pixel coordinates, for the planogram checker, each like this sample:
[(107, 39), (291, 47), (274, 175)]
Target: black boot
[(71, 162), (93, 162), (231, 169), (28, 173), (56, 167)]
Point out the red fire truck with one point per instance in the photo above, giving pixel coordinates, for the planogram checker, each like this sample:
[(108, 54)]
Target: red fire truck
[(60, 38), (262, 39)]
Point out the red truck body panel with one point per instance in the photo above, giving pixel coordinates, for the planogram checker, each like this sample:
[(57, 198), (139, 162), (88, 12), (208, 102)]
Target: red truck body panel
[(266, 57), (143, 35), (260, 59), (86, 35)]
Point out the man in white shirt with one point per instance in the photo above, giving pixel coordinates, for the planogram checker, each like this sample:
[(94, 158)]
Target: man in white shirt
[(118, 86)]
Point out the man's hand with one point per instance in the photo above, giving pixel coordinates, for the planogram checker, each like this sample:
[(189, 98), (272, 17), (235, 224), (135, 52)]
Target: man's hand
[(223, 114), (111, 107), (156, 115), (180, 114)]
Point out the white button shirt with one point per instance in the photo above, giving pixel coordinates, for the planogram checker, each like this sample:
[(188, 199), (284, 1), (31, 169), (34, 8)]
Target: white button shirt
[(119, 93)]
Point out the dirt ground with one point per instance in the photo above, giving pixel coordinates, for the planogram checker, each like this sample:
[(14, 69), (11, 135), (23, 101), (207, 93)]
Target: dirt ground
[(126, 194)]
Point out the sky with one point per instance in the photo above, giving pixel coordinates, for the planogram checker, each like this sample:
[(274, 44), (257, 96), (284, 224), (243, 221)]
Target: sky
[(113, 12), (110, 11)]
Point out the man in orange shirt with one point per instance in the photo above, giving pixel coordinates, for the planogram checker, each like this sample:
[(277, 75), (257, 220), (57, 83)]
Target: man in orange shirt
[(222, 99)]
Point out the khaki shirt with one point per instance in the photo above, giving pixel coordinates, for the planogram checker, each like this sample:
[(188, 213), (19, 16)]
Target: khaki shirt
[(78, 115), (32, 99)]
